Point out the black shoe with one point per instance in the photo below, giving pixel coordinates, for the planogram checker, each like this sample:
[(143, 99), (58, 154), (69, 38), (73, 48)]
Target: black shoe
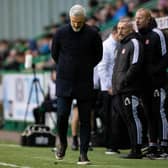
[(163, 156), (60, 153), (112, 151), (90, 147), (153, 156), (132, 155), (83, 160), (151, 152), (163, 153), (74, 147), (75, 144), (164, 150), (150, 149), (160, 154)]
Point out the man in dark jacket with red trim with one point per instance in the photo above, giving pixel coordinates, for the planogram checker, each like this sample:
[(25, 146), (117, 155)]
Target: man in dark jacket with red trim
[(76, 49), (155, 64), (126, 83)]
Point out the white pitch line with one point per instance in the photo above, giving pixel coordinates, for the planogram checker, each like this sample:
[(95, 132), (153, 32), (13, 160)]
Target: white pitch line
[(12, 165), (113, 166), (9, 145)]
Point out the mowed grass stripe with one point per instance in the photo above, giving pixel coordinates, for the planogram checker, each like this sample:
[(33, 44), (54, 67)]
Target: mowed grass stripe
[(36, 157)]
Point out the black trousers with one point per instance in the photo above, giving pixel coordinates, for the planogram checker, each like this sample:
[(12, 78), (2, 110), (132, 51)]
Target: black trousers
[(154, 101), (104, 114), (63, 112), (118, 137), (115, 131), (130, 113)]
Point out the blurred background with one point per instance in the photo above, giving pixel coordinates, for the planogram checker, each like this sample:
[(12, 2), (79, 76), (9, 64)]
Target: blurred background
[(27, 27)]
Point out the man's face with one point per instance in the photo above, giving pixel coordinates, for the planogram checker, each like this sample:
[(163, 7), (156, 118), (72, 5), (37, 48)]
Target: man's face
[(77, 22), (53, 75), (123, 30), (115, 35), (141, 19)]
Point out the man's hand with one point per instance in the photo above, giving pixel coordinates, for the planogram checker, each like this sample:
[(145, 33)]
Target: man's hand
[(110, 91)]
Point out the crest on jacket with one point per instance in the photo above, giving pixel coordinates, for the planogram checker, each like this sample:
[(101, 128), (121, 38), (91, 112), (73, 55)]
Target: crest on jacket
[(147, 41), (123, 51)]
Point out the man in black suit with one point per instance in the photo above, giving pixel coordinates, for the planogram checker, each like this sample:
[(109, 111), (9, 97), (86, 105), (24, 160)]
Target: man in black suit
[(76, 49)]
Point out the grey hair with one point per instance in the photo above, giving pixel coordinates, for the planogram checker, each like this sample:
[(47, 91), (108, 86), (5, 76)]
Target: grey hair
[(77, 10), (128, 21)]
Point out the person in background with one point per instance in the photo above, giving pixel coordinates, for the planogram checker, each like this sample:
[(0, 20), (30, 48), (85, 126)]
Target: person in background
[(155, 64), (75, 126), (76, 49), (4, 51), (121, 10), (50, 102), (105, 69), (63, 19), (155, 13)]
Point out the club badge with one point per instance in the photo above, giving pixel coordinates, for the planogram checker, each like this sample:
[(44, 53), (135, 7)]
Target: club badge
[(123, 51), (147, 41)]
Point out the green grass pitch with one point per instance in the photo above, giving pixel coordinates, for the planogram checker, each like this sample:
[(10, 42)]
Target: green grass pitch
[(17, 156)]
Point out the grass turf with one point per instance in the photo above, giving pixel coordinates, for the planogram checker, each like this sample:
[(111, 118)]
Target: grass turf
[(31, 157)]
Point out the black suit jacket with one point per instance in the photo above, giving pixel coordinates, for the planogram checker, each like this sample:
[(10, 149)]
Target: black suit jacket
[(76, 54)]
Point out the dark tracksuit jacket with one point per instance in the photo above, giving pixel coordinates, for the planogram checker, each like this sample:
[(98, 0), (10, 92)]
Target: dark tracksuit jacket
[(127, 74), (126, 83), (155, 64)]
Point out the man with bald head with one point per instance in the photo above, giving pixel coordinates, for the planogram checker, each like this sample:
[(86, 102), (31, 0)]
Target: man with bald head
[(76, 49), (155, 64), (126, 83)]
